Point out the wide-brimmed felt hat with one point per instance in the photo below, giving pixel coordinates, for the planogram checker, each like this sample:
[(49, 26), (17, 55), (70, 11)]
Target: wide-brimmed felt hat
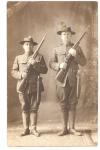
[(28, 39), (64, 28)]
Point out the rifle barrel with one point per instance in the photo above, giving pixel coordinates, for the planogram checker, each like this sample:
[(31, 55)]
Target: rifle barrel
[(39, 46), (81, 37)]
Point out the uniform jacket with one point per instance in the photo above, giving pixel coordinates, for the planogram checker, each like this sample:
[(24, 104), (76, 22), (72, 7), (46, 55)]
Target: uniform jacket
[(20, 65), (59, 56)]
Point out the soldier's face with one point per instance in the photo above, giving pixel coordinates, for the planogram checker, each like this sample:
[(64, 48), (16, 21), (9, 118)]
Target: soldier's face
[(66, 37), (28, 47)]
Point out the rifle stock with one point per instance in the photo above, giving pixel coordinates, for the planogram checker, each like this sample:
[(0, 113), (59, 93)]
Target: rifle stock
[(21, 87), (62, 72)]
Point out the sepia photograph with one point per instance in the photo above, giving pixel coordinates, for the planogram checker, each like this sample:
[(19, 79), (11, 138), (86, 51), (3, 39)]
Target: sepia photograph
[(52, 73)]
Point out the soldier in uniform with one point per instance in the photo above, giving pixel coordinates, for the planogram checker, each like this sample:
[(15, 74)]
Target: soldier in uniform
[(28, 97), (67, 93)]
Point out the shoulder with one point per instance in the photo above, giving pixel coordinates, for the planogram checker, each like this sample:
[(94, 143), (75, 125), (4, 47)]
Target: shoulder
[(39, 57), (79, 49), (17, 59)]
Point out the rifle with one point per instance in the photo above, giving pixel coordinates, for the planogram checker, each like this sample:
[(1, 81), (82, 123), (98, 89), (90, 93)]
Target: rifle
[(21, 87), (61, 75)]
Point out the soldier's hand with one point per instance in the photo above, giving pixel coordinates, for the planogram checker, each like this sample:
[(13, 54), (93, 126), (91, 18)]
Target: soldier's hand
[(24, 75), (63, 65), (32, 61), (72, 51)]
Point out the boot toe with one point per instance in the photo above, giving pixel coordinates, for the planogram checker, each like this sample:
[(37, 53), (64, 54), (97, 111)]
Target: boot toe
[(36, 133), (74, 132), (62, 133), (26, 132)]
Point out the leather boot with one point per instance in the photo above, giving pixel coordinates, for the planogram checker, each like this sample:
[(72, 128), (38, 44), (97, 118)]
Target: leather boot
[(26, 132), (72, 117), (33, 120), (75, 132), (63, 132), (64, 123), (25, 118)]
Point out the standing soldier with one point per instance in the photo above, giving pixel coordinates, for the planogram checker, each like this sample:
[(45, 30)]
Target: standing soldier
[(67, 93), (31, 95)]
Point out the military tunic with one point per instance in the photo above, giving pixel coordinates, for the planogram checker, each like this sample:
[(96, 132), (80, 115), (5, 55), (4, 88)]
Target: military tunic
[(66, 93), (28, 98)]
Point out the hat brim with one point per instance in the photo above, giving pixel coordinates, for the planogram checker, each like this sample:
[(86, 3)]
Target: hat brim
[(59, 32), (22, 42)]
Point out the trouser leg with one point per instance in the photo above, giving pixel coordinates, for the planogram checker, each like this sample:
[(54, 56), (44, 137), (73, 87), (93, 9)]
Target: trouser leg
[(25, 119), (33, 122), (64, 118), (72, 118), (62, 94), (23, 98)]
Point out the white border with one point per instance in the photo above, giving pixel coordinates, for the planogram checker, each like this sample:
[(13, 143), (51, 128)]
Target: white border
[(3, 82)]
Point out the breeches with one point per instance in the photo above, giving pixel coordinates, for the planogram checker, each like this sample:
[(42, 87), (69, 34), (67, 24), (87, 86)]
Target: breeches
[(29, 102), (67, 96)]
